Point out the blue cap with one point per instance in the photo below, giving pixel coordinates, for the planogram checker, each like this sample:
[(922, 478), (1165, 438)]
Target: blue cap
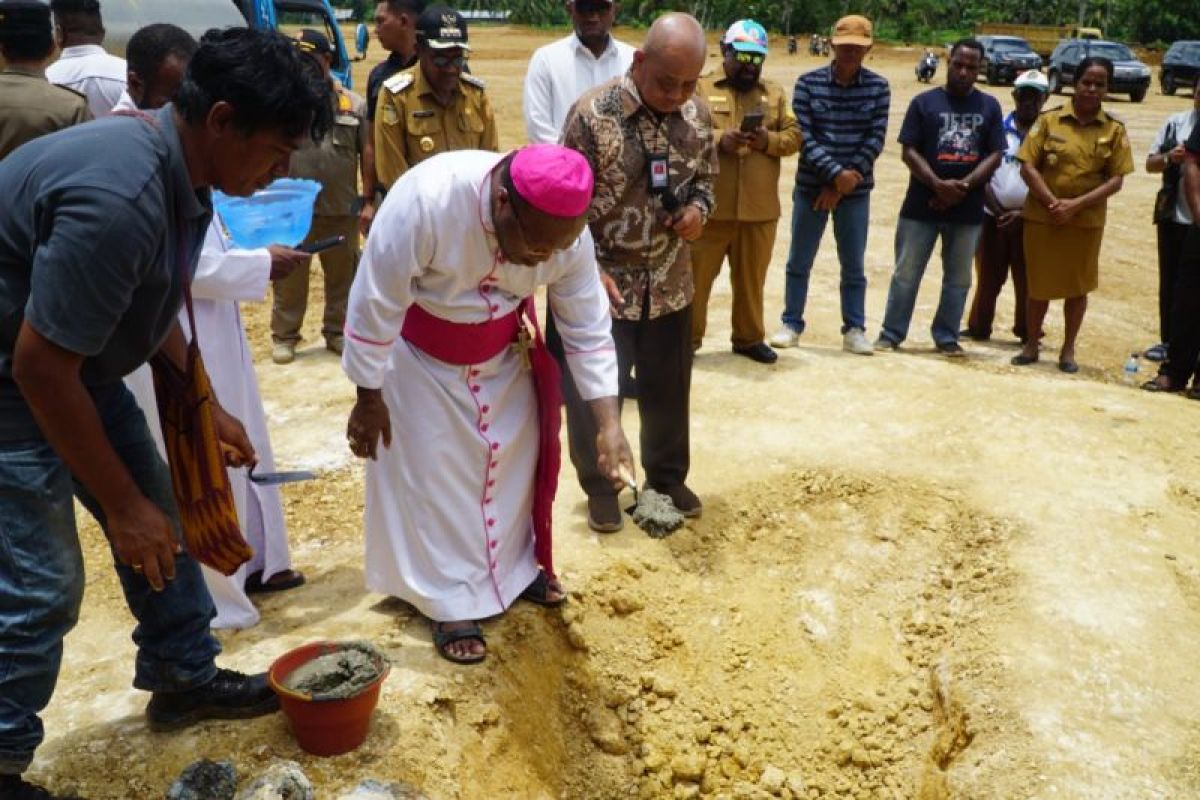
[(746, 36)]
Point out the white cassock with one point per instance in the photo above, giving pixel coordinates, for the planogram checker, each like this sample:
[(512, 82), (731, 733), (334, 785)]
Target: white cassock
[(224, 277), (448, 525)]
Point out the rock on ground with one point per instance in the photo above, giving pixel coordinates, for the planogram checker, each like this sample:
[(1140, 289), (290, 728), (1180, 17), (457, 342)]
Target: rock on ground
[(374, 790), (283, 780), (205, 780)]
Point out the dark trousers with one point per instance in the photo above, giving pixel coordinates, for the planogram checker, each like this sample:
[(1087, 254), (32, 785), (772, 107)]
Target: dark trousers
[(1184, 349), (659, 351), (42, 580), (1171, 236), (1000, 250)]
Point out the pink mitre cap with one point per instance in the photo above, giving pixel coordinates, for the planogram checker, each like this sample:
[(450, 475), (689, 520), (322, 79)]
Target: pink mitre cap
[(555, 180)]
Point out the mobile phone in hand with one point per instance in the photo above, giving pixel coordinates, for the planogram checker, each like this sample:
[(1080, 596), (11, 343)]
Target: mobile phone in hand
[(752, 122), (322, 244)]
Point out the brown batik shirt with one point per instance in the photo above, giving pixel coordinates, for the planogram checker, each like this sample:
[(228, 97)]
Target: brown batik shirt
[(611, 127)]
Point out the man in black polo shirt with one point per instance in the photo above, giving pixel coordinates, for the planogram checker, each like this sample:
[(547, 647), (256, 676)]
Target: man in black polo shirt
[(99, 227)]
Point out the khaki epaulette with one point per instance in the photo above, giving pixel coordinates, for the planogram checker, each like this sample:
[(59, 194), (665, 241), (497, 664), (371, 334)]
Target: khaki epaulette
[(476, 82)]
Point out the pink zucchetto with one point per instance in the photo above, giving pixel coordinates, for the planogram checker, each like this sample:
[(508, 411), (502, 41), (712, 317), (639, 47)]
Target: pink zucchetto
[(555, 180)]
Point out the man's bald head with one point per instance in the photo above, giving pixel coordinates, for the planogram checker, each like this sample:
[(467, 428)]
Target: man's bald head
[(676, 33), (669, 63)]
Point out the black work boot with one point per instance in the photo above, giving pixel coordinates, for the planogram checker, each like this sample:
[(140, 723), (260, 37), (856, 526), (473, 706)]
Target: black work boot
[(229, 695), (14, 787)]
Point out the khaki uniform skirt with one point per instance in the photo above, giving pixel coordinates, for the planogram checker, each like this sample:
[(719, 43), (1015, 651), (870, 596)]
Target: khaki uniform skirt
[(1061, 261)]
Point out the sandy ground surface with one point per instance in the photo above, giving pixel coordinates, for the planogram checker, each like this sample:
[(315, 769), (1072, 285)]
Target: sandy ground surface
[(913, 578)]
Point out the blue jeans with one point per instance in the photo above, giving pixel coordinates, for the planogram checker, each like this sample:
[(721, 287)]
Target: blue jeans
[(41, 580), (914, 246), (851, 218)]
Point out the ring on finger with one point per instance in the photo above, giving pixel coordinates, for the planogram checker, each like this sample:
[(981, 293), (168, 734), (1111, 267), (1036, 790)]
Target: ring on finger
[(136, 567)]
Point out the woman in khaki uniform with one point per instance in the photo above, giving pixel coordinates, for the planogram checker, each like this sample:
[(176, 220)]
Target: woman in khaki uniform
[(1074, 158)]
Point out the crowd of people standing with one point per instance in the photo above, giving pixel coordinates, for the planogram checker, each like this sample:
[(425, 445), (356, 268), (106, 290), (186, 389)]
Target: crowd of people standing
[(643, 175)]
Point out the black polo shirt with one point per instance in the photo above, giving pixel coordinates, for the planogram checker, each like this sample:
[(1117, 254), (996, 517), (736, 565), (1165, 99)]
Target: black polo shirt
[(99, 224)]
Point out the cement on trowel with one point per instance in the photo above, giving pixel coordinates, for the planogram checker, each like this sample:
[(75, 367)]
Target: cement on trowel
[(656, 514), (337, 675)]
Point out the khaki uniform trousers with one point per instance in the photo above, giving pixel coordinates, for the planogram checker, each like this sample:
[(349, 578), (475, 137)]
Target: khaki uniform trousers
[(748, 246), (337, 265)]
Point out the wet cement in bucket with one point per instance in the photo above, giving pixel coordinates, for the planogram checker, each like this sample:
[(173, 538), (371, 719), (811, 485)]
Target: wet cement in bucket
[(343, 673)]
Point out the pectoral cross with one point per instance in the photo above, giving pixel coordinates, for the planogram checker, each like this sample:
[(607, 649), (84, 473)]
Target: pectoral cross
[(522, 346)]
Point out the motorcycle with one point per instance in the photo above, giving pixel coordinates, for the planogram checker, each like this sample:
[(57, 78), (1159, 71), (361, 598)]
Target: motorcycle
[(927, 67)]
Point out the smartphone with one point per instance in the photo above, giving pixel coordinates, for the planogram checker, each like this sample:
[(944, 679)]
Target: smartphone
[(752, 121), (322, 244)]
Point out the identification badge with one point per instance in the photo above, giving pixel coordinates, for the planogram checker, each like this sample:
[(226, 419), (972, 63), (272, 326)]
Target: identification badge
[(660, 173)]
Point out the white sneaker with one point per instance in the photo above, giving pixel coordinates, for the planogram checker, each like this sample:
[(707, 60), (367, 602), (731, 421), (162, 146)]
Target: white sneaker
[(283, 353), (784, 337), (855, 341)]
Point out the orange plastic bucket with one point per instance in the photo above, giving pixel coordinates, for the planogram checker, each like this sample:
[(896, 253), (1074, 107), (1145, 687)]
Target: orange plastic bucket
[(325, 727)]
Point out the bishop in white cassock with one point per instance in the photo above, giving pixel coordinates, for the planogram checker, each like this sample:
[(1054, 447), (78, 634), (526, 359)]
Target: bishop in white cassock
[(433, 337), (226, 276)]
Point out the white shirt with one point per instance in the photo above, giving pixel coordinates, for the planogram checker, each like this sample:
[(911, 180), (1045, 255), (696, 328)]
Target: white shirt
[(1007, 184), (1183, 122), (91, 71), (124, 104), (558, 74)]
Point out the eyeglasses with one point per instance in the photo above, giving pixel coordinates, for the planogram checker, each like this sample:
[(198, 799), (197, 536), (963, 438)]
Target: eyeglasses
[(749, 58), (446, 62)]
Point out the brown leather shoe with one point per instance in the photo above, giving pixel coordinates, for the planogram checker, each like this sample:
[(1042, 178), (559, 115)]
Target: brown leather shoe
[(685, 500), (604, 513)]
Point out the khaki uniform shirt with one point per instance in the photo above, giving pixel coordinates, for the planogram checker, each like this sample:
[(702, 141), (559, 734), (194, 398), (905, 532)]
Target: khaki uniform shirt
[(747, 188), (411, 125), (1074, 158), (334, 161), (615, 132), (31, 106)]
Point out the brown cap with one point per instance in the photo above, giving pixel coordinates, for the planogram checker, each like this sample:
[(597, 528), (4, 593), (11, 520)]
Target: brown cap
[(853, 30)]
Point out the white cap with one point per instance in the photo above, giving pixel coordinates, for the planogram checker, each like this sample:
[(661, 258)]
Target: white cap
[(1032, 79)]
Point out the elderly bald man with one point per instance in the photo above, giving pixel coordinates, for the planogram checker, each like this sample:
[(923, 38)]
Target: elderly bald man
[(650, 143)]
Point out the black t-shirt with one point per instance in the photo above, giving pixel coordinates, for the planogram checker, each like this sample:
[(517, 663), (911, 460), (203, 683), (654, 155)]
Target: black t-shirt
[(1193, 142), (381, 73), (953, 134)]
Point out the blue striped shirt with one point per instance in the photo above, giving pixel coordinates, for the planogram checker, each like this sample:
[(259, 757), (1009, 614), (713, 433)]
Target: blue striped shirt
[(844, 127)]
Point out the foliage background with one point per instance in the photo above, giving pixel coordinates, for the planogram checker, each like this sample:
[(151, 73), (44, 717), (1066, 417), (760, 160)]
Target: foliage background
[(1145, 21)]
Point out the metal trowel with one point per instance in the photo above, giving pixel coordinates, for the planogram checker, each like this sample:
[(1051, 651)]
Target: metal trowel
[(276, 478)]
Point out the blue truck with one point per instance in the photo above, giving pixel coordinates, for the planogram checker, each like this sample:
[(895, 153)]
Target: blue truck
[(123, 17)]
